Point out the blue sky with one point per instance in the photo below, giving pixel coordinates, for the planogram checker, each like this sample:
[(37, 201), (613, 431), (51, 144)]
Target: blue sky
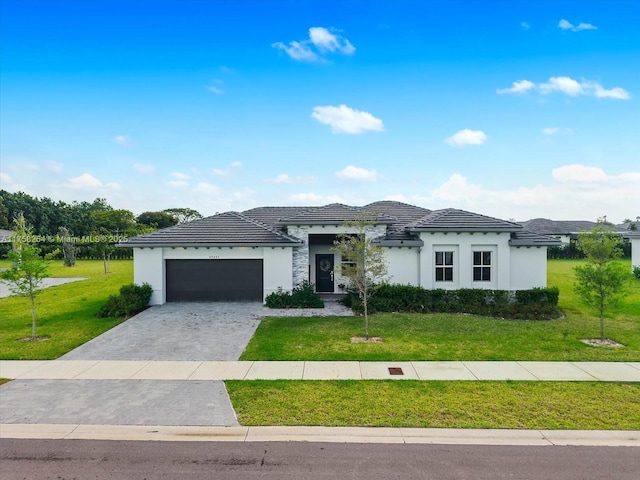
[(515, 109)]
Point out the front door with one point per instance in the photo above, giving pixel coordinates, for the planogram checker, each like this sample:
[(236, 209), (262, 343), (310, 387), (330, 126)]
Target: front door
[(324, 272)]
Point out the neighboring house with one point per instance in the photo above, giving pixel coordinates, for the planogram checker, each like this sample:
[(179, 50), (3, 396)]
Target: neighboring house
[(248, 255), (634, 239), (5, 235), (564, 230)]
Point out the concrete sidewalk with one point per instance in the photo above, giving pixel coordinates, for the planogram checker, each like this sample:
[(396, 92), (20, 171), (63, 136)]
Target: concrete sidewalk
[(443, 436), (261, 370)]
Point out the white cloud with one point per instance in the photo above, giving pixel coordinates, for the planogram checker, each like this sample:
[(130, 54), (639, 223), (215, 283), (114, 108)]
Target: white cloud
[(617, 92), (54, 167), (454, 187), (566, 25), (573, 192), (144, 169), (355, 173), (298, 51), (207, 188), (520, 86), (224, 172), (343, 119), (568, 86), (578, 173), (321, 41), (324, 40), (85, 180), (310, 198), (214, 89), (556, 131), (466, 137), (283, 178), (180, 176), (123, 140), (178, 184)]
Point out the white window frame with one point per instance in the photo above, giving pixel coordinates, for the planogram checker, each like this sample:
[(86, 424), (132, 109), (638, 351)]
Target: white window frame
[(483, 266), (444, 266)]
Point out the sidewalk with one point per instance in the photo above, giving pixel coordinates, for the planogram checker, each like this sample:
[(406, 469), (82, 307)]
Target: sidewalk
[(261, 370), (186, 400)]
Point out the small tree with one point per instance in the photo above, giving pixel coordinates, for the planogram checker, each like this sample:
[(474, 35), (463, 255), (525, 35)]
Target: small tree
[(69, 250), (25, 277), (363, 263), (601, 282)]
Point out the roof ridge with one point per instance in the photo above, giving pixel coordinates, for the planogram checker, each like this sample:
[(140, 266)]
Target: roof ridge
[(257, 223)]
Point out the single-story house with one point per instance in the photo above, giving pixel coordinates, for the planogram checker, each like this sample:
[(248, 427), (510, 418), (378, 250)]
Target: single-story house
[(634, 238), (248, 255), (5, 235), (564, 230)]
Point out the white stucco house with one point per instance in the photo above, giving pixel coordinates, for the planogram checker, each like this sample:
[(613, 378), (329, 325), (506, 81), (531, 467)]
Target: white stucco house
[(563, 230), (248, 255)]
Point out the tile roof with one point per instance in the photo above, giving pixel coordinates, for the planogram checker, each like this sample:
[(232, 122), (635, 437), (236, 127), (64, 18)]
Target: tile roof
[(224, 229), (403, 212), (5, 235), (272, 215), (333, 214), (531, 239), (265, 226), (451, 219), (546, 226)]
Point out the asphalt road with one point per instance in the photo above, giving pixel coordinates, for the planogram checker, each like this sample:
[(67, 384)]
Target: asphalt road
[(76, 459)]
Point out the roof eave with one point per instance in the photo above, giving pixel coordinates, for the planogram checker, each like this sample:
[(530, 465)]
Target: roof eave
[(463, 229), (206, 245)]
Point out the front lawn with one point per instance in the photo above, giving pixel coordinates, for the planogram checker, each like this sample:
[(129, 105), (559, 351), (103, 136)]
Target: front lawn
[(410, 403), (66, 314), (457, 337)]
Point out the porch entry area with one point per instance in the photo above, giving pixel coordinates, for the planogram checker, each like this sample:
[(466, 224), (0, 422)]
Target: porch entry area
[(324, 273), (322, 265)]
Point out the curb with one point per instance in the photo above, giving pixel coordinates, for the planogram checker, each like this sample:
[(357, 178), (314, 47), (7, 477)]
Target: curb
[(443, 436)]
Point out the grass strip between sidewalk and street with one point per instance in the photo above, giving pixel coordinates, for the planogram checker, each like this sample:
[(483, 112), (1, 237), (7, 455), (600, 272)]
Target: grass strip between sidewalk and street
[(437, 404)]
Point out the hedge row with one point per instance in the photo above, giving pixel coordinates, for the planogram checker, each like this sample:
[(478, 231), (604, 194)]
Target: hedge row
[(536, 303), (302, 296)]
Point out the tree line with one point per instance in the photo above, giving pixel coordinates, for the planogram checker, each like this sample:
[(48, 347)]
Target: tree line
[(80, 222)]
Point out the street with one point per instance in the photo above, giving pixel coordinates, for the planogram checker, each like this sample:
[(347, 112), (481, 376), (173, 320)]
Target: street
[(94, 459)]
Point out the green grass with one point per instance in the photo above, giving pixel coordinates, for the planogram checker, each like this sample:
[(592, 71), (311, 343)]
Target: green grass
[(66, 314), (410, 403), (457, 337)]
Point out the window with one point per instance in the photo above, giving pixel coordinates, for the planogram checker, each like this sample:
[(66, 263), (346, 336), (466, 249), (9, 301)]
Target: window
[(481, 266), (444, 266)]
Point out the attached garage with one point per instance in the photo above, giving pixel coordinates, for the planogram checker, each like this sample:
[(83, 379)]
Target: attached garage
[(205, 280)]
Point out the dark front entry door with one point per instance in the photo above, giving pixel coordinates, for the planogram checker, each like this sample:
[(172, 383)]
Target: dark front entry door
[(324, 272)]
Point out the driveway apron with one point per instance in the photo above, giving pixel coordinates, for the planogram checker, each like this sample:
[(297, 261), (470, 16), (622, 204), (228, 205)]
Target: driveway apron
[(170, 332)]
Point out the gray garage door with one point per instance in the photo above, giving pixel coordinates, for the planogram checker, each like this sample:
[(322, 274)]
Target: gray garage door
[(213, 280)]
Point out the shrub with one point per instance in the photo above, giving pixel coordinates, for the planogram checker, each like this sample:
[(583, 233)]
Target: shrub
[(536, 303), (132, 300), (302, 296), (636, 271)]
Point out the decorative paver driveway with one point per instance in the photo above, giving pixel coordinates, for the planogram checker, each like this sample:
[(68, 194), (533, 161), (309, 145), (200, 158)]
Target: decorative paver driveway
[(187, 331)]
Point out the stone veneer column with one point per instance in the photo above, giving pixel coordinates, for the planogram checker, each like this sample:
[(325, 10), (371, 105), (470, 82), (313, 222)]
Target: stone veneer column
[(300, 254)]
